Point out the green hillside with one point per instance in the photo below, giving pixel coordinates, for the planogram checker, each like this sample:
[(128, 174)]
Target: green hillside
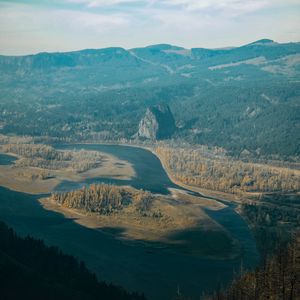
[(239, 98)]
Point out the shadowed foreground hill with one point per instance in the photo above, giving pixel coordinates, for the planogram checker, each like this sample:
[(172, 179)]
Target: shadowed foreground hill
[(31, 270)]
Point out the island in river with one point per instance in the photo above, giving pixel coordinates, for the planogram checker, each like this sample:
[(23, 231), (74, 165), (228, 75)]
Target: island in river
[(212, 240)]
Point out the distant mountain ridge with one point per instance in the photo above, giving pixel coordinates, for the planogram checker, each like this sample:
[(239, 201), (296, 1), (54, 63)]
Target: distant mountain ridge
[(218, 96), (87, 57)]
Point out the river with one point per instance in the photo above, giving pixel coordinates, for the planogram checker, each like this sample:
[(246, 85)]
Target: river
[(155, 269)]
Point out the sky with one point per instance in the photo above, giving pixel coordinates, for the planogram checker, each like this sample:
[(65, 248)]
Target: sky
[(49, 25)]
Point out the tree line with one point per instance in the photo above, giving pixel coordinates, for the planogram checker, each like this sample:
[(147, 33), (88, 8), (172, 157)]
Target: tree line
[(193, 166)]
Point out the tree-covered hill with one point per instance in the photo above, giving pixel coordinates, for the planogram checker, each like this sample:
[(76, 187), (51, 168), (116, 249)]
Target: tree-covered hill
[(31, 270), (243, 98)]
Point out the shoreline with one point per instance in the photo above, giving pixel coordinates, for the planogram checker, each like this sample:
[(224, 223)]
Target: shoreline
[(209, 194), (237, 199)]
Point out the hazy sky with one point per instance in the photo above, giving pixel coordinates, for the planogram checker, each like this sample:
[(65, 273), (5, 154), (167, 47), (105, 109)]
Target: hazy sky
[(50, 25)]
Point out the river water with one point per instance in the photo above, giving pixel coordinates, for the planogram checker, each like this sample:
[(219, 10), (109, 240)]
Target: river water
[(156, 269)]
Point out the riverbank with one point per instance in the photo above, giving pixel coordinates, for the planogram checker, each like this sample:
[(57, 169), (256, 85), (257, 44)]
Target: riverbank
[(204, 193), (210, 194), (216, 195)]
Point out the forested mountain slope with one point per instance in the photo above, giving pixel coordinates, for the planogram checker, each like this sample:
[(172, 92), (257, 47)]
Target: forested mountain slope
[(240, 98), (31, 270)]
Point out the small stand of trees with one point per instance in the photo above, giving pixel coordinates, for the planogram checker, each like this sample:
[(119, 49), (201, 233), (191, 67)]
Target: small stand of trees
[(104, 198)]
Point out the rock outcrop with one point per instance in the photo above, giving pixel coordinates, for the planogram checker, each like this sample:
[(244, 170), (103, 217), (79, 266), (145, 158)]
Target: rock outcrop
[(157, 124)]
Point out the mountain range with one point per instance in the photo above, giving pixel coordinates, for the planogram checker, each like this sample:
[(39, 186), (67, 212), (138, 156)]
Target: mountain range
[(239, 98)]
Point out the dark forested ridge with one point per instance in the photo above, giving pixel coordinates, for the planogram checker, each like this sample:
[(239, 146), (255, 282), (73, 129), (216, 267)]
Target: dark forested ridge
[(243, 99), (31, 270)]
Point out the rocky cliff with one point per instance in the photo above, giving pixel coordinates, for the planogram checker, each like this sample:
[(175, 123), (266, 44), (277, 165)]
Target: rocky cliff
[(157, 124)]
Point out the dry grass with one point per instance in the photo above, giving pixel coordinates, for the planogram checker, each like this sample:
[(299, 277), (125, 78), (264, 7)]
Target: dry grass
[(26, 179)]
